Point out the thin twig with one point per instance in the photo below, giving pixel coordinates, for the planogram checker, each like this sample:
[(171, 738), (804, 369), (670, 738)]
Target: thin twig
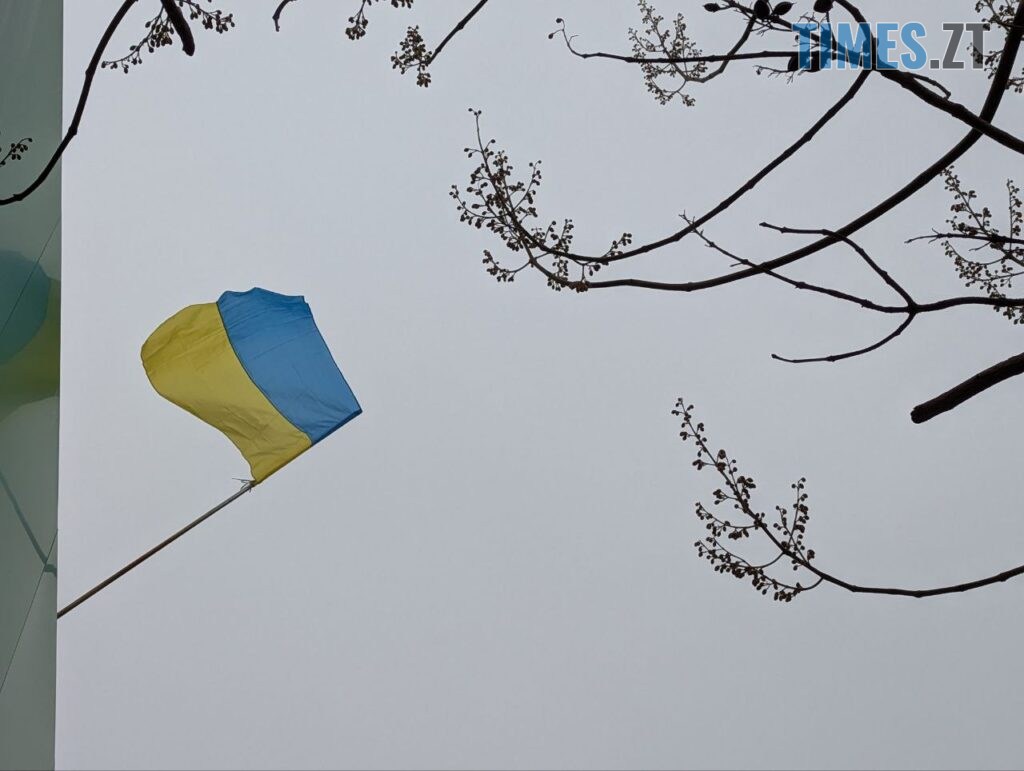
[(458, 28), (277, 14)]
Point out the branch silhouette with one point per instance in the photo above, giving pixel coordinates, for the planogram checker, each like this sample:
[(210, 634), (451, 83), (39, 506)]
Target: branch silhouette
[(504, 202), (954, 397), (170, 20), (785, 533), (413, 53), (83, 97), (496, 200)]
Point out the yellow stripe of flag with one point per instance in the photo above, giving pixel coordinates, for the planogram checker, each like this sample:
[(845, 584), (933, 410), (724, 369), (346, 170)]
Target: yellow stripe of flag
[(190, 361)]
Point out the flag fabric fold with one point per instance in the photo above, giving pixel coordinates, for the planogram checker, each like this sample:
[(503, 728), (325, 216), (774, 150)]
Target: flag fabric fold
[(254, 366)]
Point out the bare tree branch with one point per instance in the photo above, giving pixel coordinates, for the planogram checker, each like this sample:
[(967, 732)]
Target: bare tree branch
[(413, 53), (461, 25), (76, 120), (277, 14), (785, 535), (834, 357), (990, 108), (968, 389)]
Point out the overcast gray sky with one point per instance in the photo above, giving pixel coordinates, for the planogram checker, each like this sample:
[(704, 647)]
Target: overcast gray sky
[(493, 566)]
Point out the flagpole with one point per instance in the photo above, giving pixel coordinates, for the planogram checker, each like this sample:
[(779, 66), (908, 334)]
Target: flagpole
[(138, 561)]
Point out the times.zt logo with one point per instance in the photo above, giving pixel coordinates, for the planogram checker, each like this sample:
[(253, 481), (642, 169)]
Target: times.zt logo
[(886, 46)]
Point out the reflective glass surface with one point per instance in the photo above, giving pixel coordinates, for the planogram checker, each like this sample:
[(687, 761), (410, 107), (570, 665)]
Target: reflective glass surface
[(30, 107)]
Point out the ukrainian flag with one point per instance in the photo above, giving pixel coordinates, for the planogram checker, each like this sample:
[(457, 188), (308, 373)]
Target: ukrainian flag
[(254, 366)]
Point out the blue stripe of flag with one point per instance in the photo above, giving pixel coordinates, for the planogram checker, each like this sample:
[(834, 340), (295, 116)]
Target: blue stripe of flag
[(281, 349)]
